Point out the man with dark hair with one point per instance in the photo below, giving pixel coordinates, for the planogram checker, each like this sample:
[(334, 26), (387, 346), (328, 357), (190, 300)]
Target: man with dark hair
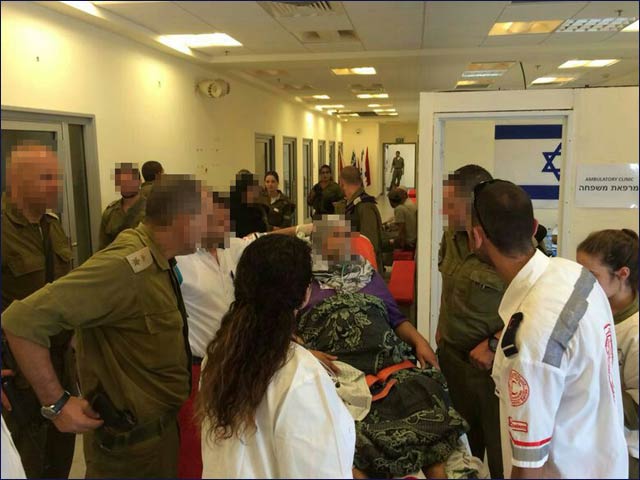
[(134, 359), (405, 217), (397, 171), (469, 320), (128, 210), (556, 368), (361, 210), (35, 251), (151, 171)]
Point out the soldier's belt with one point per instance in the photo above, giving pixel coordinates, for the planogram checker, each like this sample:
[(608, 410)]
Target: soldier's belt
[(109, 441)]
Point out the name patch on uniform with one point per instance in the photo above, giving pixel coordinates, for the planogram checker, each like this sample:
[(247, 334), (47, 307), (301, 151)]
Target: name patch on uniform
[(518, 389), (140, 260), (518, 425)]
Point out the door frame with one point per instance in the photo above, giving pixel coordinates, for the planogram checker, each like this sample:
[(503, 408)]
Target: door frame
[(435, 108)]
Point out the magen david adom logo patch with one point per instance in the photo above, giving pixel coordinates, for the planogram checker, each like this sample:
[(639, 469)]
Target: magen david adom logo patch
[(518, 389)]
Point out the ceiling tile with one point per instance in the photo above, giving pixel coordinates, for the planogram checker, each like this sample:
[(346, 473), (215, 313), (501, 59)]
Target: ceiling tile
[(573, 38), (609, 9), (164, 18), (541, 11), (515, 40)]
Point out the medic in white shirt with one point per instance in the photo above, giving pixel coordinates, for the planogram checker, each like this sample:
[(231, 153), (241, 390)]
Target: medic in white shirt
[(556, 366)]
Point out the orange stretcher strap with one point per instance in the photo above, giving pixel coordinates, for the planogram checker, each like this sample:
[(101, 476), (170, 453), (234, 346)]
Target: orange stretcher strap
[(383, 375), (385, 391)]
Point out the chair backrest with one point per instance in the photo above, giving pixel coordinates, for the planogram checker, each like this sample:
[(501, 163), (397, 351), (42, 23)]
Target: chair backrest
[(361, 245)]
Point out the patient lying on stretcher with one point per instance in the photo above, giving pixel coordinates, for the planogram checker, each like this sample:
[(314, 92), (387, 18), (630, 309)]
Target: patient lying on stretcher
[(411, 425)]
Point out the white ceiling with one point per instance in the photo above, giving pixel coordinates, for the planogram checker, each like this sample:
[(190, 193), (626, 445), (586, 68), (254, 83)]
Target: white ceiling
[(415, 46)]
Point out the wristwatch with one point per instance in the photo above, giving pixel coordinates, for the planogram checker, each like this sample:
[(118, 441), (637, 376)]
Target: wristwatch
[(493, 344), (50, 412)]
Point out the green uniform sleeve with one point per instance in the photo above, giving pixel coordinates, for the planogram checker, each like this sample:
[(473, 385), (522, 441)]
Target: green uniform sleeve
[(103, 238), (100, 291), (369, 224)]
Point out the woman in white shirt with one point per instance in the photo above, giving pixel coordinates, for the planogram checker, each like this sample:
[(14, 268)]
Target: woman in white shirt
[(268, 408), (612, 257)]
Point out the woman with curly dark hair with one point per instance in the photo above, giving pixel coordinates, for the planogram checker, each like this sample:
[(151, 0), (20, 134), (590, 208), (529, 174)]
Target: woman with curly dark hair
[(268, 408)]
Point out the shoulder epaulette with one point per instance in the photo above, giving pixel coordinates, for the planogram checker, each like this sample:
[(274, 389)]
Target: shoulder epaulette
[(140, 260)]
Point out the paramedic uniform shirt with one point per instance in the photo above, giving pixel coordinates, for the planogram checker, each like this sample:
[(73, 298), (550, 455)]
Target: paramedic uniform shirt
[(207, 290), (560, 396), (303, 430)]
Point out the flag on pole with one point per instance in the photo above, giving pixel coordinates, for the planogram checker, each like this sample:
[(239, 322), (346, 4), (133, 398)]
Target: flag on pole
[(361, 168), (340, 161), (354, 160), (367, 170)]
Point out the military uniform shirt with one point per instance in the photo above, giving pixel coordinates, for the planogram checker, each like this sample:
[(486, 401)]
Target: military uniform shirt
[(115, 219), (130, 330), (471, 294)]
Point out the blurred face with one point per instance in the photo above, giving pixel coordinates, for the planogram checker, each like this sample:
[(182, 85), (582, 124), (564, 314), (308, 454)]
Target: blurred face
[(127, 182), (271, 184), (455, 207), (35, 178), (610, 281), (252, 194), (336, 246), (195, 226), (218, 227), (325, 175)]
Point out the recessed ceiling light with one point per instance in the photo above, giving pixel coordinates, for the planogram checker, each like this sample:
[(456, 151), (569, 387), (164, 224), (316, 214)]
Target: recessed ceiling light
[(388, 114), (379, 110), (373, 95), (321, 97), (354, 71), (550, 79), (379, 105), (199, 41), (466, 83), (589, 63), (86, 7), (482, 73), (519, 28), (348, 115), (610, 24), (324, 107), (632, 27)]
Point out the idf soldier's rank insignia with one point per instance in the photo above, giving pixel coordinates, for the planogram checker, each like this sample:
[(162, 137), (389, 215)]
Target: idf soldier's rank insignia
[(140, 260), (509, 337)]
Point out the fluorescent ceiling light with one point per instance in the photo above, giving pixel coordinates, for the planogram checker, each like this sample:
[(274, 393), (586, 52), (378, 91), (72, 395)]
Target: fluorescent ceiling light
[(373, 95), (176, 44), (86, 7), (482, 73), (354, 71), (589, 63), (182, 42), (333, 107), (610, 24), (388, 114), (544, 80), (519, 28), (466, 83), (632, 27), (379, 105), (321, 97), (381, 110), (348, 115)]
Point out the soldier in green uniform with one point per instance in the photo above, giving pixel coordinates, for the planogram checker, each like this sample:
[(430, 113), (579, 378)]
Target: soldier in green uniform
[(35, 250), (324, 194), (151, 171), (127, 211), (361, 210), (469, 321), (133, 353)]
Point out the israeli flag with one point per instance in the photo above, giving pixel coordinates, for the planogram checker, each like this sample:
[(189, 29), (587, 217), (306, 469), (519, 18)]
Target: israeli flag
[(531, 156)]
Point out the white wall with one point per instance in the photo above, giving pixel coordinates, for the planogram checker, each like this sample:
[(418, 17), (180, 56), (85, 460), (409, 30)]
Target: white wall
[(603, 128), (144, 101)]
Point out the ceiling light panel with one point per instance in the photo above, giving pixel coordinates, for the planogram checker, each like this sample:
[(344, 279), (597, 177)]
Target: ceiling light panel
[(632, 27), (321, 97), (551, 79), (589, 63), (585, 25), (521, 28), (185, 42), (354, 71), (324, 107), (373, 95), (482, 73)]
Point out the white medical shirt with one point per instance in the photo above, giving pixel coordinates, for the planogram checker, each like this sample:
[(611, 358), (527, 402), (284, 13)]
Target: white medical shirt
[(11, 463), (560, 396), (303, 430), (207, 290)]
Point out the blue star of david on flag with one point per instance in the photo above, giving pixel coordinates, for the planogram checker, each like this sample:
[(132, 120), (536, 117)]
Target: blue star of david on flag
[(549, 157)]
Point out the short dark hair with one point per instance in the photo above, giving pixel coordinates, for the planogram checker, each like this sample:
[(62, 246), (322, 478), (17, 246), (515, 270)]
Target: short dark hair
[(322, 167), (151, 169), (467, 177), (615, 249), (351, 175), (505, 213), (397, 196), (173, 195), (126, 167), (274, 174)]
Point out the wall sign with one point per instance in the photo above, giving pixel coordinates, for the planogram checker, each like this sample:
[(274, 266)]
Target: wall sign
[(607, 186)]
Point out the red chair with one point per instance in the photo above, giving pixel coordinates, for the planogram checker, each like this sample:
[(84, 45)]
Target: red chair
[(361, 245), (399, 254), (402, 282), (411, 193)]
